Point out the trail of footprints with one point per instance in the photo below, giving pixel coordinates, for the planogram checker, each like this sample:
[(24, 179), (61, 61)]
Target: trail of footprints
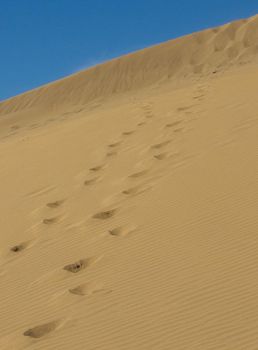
[(84, 289)]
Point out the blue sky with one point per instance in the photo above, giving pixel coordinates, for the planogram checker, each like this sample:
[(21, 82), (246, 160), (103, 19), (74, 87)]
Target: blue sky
[(44, 40)]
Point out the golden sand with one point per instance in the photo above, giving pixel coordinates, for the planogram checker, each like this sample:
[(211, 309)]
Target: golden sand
[(129, 207)]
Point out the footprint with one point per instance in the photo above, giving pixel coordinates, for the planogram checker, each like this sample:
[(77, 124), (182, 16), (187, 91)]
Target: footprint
[(198, 97), (115, 144), (135, 190), (42, 330), (19, 247), (111, 154), (79, 265), (138, 174), (91, 181), (50, 221), (161, 156), (181, 109), (127, 133), (88, 289), (131, 191), (80, 290), (178, 129), (121, 231), (15, 127), (170, 125), (103, 215), (34, 126), (55, 204), (97, 168), (161, 144)]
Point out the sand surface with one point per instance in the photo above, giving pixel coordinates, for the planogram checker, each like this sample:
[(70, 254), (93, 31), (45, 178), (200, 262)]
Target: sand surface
[(129, 207)]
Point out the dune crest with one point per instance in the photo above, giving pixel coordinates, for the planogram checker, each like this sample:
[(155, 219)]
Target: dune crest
[(199, 53)]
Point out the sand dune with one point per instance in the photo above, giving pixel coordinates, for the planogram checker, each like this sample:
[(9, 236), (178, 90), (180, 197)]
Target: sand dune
[(198, 53), (129, 202)]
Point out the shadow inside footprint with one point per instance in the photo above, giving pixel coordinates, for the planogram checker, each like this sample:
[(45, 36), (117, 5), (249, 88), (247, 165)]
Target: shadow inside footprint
[(138, 174), (19, 247), (178, 129), (160, 145), (115, 144), (111, 154), (161, 156), (103, 215), (90, 181), (42, 330), (78, 265), (97, 168), (135, 190), (181, 109), (55, 204), (80, 290), (116, 231), (127, 133), (170, 125), (88, 289), (15, 127), (198, 97), (121, 231), (50, 221)]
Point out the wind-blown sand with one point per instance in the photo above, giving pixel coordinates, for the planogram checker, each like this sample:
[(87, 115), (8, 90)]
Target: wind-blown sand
[(129, 207)]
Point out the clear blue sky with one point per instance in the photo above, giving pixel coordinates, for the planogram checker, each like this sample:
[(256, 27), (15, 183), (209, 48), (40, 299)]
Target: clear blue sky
[(44, 40)]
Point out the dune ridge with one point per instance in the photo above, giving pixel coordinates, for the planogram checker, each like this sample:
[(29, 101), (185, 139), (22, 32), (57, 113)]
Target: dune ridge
[(198, 53)]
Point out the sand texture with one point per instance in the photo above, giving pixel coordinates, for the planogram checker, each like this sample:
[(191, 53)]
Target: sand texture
[(129, 206)]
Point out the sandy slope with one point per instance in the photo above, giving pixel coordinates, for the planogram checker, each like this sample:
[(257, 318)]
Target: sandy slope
[(129, 202)]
